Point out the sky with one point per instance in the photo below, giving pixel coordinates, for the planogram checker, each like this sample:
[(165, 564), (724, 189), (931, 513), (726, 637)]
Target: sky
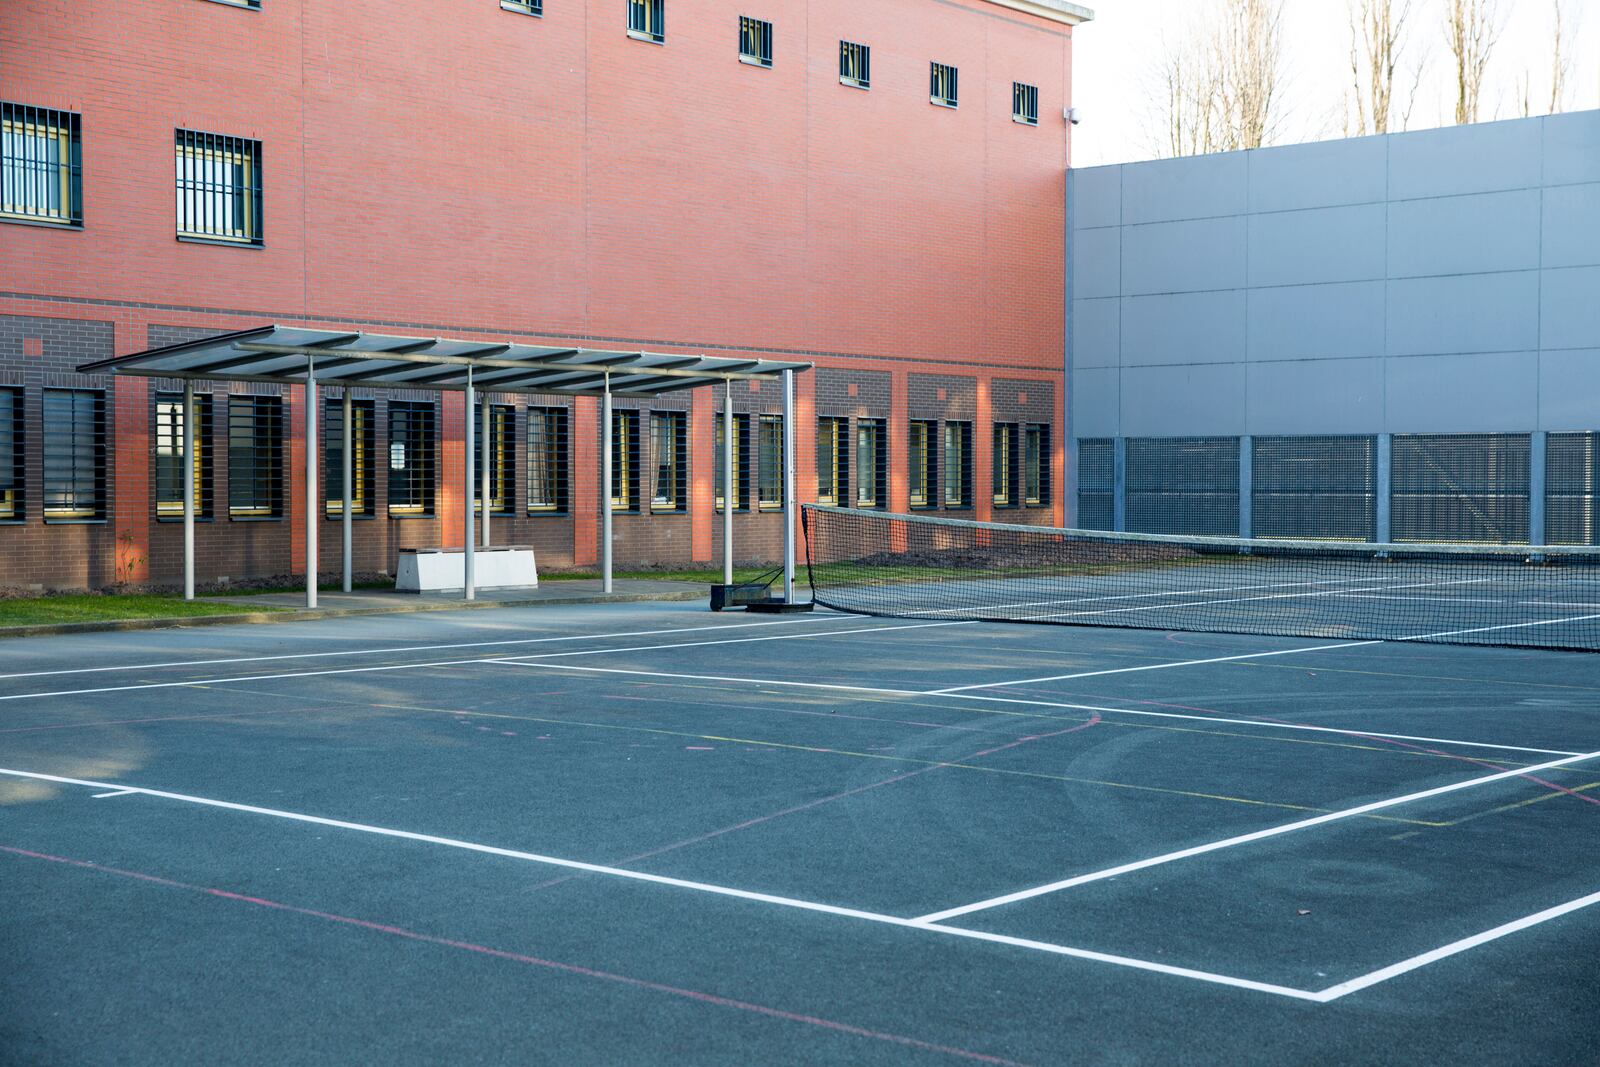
[(1117, 58)]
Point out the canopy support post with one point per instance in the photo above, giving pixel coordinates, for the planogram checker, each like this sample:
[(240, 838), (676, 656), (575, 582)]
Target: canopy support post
[(729, 443), (606, 488), (469, 590), (484, 476), (349, 490), (311, 481), (788, 487), (188, 489)]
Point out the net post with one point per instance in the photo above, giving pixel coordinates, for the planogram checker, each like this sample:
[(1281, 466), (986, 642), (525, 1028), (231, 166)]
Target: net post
[(311, 481), (468, 533), (1119, 484), (788, 486), (1537, 456), (1384, 487), (1246, 485), (188, 489)]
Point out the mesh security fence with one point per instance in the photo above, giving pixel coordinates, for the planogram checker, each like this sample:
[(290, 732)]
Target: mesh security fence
[(1316, 487), (1460, 488), (1097, 483), (936, 568), (1572, 489), (1183, 485)]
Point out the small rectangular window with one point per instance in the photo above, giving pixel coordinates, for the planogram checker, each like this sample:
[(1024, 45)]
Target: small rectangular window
[(921, 463), (1036, 466), (412, 443), (833, 460), (624, 460), (1002, 464), (669, 441), (525, 7), (219, 188), (1024, 104), (169, 456), (41, 165), (74, 454), (255, 457), (755, 41), (502, 458), (547, 460), (12, 466), (958, 464), (872, 463), (942, 85), (855, 64), (647, 20), (363, 445), (741, 462), (769, 485)]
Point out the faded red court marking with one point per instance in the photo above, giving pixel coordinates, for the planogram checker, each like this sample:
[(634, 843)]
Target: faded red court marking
[(532, 961)]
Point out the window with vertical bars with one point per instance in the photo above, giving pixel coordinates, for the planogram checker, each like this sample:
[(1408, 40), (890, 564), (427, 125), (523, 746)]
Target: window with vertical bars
[(169, 456), (1003, 465), (855, 64), (872, 464), (502, 459), (255, 457), (741, 462), (363, 457), (669, 446), (921, 463), (1097, 483), (942, 85), (41, 165), (647, 19), (755, 41), (769, 479), (1024, 104), (624, 460), (12, 461), (1036, 465), (547, 460), (74, 455), (526, 7), (958, 465), (219, 187), (833, 460), (413, 444)]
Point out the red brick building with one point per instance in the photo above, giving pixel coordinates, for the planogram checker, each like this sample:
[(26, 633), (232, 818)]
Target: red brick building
[(752, 182)]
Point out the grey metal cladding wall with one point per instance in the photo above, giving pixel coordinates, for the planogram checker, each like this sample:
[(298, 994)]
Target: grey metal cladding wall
[(1439, 281)]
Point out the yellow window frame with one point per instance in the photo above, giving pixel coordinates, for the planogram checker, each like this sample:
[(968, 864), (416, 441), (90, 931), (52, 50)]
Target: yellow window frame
[(246, 163), (167, 509), (917, 462), (1001, 481), (62, 135)]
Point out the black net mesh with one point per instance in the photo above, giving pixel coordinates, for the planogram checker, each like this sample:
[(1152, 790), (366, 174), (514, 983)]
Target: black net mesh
[(1183, 485), (932, 568)]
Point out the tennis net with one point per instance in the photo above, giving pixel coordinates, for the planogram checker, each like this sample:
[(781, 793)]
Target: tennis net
[(912, 566)]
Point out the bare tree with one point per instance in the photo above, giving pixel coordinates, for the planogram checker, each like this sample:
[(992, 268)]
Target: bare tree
[(1220, 85), (1471, 30), (1377, 37), (1560, 61)]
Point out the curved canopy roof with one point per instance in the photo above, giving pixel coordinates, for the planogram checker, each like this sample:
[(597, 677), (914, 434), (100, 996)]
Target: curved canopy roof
[(282, 354)]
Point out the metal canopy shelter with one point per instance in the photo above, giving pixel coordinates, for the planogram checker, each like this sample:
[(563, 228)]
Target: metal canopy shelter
[(291, 355)]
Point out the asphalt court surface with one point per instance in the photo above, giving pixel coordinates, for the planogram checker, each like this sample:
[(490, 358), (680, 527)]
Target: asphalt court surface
[(652, 834)]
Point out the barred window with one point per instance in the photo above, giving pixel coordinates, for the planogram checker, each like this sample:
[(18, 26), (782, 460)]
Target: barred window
[(12, 468), (41, 165), (769, 478), (255, 457), (1024, 104), (833, 460), (942, 85), (624, 460), (1036, 466), (755, 41), (363, 459), (647, 20), (169, 456), (920, 462), (958, 464), (547, 460), (502, 459), (219, 188), (669, 436), (855, 64), (413, 441), (872, 463), (526, 7), (741, 462), (74, 454), (1002, 466)]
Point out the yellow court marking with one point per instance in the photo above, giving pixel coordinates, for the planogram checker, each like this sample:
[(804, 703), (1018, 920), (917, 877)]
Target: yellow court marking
[(1549, 795)]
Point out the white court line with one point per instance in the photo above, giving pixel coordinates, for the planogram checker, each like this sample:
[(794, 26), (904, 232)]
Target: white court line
[(681, 883), (1394, 970), (195, 682), (1244, 839), (1152, 593), (879, 691), (1251, 599), (422, 648), (115, 793)]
